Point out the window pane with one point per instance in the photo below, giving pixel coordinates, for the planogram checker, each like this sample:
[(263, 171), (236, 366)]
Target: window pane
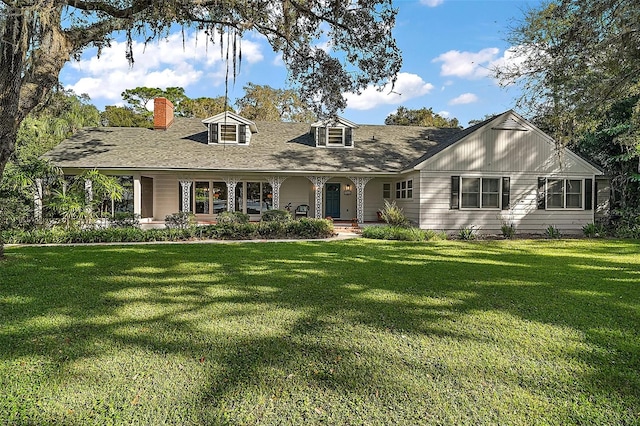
[(228, 133), (202, 197), (238, 200), (410, 193), (471, 193), (386, 190), (403, 184), (490, 186), (219, 191), (555, 193), (490, 193), (490, 200), (267, 196), (253, 197), (574, 194), (126, 204), (410, 184), (470, 200), (335, 136)]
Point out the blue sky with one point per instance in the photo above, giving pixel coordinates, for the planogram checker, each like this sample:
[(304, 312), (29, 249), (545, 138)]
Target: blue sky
[(448, 47)]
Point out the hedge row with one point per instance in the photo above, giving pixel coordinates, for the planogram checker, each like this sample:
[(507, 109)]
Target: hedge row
[(303, 228), (388, 232)]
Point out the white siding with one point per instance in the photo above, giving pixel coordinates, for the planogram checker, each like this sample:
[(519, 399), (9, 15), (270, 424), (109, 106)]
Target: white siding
[(436, 213), (503, 151)]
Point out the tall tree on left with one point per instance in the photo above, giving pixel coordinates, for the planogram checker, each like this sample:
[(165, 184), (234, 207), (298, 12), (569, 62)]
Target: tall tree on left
[(37, 38)]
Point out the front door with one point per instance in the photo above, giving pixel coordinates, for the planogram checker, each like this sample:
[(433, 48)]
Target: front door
[(332, 200)]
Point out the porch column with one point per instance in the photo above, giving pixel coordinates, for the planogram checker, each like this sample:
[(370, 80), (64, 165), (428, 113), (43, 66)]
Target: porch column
[(137, 196), (231, 182), (318, 183), (360, 182), (185, 187), (37, 201), (276, 182)]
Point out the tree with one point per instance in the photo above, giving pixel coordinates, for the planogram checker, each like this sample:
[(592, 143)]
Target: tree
[(574, 60), (115, 116), (419, 117), (37, 38), (204, 107), (139, 97), (268, 104)]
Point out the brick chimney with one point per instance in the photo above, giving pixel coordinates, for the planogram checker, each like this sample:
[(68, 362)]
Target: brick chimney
[(162, 113)]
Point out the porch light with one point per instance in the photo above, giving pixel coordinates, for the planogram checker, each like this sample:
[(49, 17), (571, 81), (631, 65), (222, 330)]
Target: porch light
[(347, 187)]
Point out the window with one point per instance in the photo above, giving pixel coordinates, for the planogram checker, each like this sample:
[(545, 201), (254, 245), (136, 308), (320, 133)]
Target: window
[(479, 193), (219, 191), (228, 133), (334, 136), (202, 197), (471, 193), (386, 191), (563, 193), (404, 189)]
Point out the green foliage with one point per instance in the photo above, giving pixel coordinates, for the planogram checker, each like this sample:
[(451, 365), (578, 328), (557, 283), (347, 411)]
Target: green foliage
[(204, 107), (594, 230), (116, 116), (394, 215), (552, 232), (16, 211), (265, 103), (124, 220), (401, 233), (276, 216), (508, 230), (179, 220), (233, 217), (177, 229), (467, 233), (420, 117)]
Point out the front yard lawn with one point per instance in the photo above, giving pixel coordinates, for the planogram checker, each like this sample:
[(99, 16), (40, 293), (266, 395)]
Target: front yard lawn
[(355, 332)]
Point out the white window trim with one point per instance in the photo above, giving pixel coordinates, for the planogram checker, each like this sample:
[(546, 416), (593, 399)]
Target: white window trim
[(564, 193), (499, 178), (342, 137)]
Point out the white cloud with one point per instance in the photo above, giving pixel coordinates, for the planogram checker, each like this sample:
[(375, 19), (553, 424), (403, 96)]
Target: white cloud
[(465, 98), (408, 86), (471, 65), (514, 58), (431, 3), (444, 114), (166, 63)]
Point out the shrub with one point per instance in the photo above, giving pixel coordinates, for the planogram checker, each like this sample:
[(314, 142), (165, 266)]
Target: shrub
[(125, 220), (276, 216), (401, 234), (552, 232), (467, 233), (180, 220), (394, 215), (594, 230), (310, 228), (508, 230), (233, 217)]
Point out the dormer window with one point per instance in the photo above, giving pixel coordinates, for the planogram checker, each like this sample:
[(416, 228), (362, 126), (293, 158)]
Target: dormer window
[(229, 128), (334, 134)]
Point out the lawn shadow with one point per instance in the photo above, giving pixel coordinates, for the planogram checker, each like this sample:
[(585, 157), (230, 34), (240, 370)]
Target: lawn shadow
[(251, 308)]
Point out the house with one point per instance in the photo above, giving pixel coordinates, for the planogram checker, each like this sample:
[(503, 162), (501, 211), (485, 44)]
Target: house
[(503, 170)]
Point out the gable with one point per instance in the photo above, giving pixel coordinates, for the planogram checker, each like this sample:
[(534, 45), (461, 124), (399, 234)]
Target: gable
[(508, 143)]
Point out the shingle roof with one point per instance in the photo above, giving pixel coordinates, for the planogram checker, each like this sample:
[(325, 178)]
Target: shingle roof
[(277, 147)]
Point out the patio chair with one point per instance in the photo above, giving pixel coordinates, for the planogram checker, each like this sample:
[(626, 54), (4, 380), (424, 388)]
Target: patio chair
[(302, 211)]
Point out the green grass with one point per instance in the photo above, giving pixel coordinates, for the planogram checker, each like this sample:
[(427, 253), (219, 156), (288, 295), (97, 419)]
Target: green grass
[(356, 332)]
